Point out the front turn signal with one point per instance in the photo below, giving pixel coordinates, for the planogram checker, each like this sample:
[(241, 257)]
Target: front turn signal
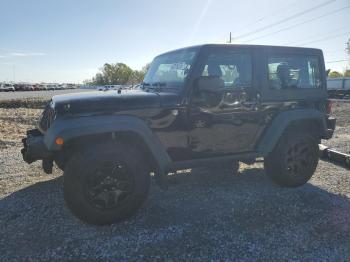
[(59, 141)]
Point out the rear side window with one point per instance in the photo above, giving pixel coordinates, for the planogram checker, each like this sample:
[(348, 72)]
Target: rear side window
[(293, 72)]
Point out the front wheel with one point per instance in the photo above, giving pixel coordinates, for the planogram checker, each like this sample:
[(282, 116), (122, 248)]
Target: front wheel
[(106, 184), (293, 161)]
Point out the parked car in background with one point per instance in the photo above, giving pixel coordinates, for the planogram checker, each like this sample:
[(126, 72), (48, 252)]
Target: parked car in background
[(42, 87), (7, 88), (19, 87), (29, 87), (36, 87), (50, 87)]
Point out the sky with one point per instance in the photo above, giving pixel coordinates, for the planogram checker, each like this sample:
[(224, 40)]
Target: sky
[(69, 40)]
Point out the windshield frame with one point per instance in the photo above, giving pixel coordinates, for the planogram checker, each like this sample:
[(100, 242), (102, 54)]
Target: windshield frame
[(168, 85)]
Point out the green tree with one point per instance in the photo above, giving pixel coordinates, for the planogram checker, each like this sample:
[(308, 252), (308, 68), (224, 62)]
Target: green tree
[(335, 74), (99, 79), (138, 75), (118, 74), (347, 73)]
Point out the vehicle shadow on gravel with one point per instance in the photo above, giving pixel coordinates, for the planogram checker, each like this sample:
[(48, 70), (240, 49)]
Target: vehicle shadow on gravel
[(200, 212)]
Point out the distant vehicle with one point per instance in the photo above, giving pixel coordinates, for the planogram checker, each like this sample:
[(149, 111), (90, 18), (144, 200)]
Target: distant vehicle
[(29, 87), (106, 87), (42, 87), (19, 87), (36, 87), (23, 87), (338, 87), (138, 86), (7, 88), (50, 87), (72, 86)]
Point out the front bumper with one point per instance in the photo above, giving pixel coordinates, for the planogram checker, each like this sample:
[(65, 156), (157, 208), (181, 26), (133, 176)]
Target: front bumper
[(330, 122), (34, 147)]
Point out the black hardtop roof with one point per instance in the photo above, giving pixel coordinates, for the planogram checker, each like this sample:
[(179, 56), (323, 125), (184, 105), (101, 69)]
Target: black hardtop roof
[(308, 49)]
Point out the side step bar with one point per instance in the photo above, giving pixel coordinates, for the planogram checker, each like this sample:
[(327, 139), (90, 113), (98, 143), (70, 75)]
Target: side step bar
[(334, 156), (244, 157)]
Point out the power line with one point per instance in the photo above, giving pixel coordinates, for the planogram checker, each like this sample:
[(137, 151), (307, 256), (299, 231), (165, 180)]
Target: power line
[(318, 35), (336, 61), (295, 25), (325, 38), (287, 19), (268, 15), (336, 51)]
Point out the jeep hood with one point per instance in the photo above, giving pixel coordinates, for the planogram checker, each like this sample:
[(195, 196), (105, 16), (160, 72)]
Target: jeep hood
[(111, 101)]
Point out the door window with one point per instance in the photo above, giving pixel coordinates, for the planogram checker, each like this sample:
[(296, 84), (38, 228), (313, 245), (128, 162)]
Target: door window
[(234, 69), (293, 72)]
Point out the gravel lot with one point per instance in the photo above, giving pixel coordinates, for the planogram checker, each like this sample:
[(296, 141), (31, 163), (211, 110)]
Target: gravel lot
[(39, 94), (205, 215)]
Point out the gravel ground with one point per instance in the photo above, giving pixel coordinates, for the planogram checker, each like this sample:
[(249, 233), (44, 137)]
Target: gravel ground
[(204, 215), (41, 94), (341, 137)]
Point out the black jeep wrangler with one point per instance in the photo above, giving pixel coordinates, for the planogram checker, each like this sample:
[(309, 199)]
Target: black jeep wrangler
[(202, 105)]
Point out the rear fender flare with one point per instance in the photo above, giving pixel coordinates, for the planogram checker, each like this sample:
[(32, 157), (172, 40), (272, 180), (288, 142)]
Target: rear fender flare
[(282, 121)]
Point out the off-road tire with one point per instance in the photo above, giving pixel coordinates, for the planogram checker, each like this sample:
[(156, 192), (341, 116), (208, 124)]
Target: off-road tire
[(294, 159), (81, 167)]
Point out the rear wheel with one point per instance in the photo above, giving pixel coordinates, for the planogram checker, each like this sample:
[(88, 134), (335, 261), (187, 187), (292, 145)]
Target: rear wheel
[(293, 161), (106, 184)]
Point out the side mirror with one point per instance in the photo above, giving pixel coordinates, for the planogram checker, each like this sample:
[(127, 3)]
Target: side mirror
[(209, 84)]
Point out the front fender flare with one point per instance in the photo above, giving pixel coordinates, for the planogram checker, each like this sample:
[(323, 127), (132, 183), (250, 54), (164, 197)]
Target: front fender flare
[(69, 128)]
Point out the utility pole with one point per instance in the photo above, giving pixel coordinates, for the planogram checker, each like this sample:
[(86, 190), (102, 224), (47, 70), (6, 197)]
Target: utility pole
[(230, 40), (14, 73)]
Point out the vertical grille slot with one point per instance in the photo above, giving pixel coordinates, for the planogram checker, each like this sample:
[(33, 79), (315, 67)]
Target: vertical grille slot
[(47, 118)]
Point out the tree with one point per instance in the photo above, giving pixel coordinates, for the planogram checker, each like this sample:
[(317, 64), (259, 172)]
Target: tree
[(99, 79), (335, 74), (136, 77), (347, 73), (118, 74)]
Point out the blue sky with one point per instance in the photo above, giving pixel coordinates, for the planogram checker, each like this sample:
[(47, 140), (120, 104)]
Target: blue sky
[(67, 41)]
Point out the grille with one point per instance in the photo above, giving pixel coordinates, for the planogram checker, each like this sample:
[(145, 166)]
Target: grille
[(47, 117)]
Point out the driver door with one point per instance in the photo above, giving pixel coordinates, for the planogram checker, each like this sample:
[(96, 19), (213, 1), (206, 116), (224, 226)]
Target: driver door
[(224, 116)]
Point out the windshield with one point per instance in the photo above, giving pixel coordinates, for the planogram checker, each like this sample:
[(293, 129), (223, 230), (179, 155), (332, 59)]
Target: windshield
[(170, 69)]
